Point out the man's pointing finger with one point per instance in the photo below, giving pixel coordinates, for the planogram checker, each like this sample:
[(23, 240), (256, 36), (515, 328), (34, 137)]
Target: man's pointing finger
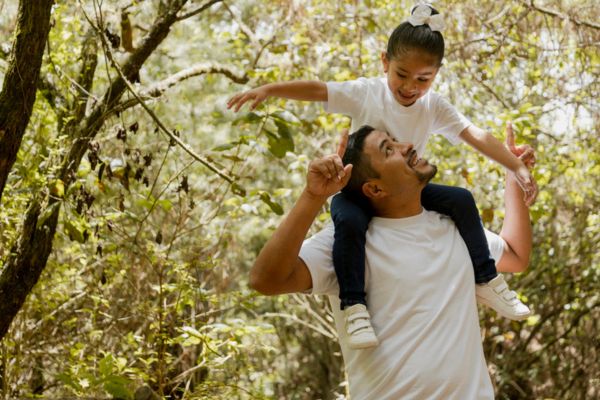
[(343, 143)]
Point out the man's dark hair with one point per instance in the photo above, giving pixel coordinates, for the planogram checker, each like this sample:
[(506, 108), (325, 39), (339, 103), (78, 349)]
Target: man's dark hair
[(407, 37), (362, 170)]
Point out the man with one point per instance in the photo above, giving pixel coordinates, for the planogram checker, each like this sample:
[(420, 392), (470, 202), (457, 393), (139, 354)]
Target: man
[(419, 280)]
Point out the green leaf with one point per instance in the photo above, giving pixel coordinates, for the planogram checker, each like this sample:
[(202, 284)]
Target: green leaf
[(225, 146), (250, 117), (117, 386), (75, 231), (57, 188), (237, 189), (165, 204), (282, 142), (68, 380), (275, 207), (106, 365)]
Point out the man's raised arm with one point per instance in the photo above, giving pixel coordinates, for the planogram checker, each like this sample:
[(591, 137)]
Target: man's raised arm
[(278, 269), (516, 229)]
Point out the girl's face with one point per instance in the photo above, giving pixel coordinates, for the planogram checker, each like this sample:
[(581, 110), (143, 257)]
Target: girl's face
[(410, 76)]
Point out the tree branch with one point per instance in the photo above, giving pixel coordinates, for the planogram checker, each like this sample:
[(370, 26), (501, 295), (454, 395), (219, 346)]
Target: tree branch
[(492, 92), (557, 14), (198, 11), (243, 27), (85, 80), (159, 88), (197, 70)]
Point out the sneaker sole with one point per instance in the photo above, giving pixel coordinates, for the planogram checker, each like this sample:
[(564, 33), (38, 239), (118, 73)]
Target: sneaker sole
[(363, 345), (512, 317)]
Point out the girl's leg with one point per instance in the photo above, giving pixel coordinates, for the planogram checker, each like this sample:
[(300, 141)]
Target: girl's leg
[(458, 204), (351, 221)]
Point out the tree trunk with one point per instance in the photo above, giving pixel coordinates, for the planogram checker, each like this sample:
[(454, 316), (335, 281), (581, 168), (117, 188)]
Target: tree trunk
[(20, 82), (27, 260)]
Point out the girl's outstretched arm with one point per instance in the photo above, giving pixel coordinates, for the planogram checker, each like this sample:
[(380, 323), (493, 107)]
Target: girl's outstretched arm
[(294, 90)]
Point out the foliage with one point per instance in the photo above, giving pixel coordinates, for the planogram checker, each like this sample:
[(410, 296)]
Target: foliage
[(147, 281)]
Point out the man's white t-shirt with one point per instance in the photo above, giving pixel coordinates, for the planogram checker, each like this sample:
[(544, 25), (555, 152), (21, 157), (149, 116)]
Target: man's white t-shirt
[(421, 297), (369, 101)]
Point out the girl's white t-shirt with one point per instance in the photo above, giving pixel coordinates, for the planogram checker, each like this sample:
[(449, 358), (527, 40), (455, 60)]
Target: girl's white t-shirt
[(369, 101), (421, 296)]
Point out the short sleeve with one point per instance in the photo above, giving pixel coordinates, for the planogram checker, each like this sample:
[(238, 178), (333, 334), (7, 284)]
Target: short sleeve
[(448, 121), (346, 97), (316, 252), (496, 245)]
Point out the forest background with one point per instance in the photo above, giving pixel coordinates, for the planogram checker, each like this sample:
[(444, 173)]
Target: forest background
[(133, 203)]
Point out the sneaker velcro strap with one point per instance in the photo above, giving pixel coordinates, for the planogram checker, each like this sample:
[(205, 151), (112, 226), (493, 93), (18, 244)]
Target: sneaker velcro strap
[(358, 315), (501, 287), (509, 295), (359, 325)]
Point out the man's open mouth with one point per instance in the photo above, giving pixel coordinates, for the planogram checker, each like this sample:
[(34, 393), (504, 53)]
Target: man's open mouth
[(413, 159)]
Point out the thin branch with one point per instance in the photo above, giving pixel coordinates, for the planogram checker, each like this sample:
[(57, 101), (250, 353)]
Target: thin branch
[(295, 318), (260, 51), (492, 92), (303, 301), (85, 80), (243, 27), (198, 11), (557, 14), (58, 309), (197, 70), (501, 14), (159, 88)]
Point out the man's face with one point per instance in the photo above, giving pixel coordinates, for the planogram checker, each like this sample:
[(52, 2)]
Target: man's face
[(398, 164), (411, 76)]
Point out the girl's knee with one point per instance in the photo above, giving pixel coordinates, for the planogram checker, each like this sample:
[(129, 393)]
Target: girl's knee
[(464, 198)]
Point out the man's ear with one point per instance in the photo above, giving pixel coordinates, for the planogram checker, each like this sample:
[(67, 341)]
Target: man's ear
[(385, 61), (373, 190)]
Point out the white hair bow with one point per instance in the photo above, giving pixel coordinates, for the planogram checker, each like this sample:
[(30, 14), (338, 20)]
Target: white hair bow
[(422, 15)]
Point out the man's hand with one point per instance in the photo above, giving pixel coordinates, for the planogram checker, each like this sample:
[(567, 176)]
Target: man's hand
[(522, 174), (327, 176), (258, 95)]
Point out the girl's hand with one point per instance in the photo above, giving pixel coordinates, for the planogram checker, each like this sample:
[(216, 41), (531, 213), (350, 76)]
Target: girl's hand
[(522, 173), (258, 95)]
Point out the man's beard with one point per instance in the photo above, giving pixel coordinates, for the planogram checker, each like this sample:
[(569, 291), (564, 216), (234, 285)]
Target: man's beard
[(425, 177)]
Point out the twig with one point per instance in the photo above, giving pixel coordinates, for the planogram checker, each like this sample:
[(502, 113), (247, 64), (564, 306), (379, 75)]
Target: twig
[(301, 322), (198, 11), (243, 27), (492, 92), (553, 13)]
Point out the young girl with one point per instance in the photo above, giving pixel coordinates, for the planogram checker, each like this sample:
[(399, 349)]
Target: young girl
[(402, 104)]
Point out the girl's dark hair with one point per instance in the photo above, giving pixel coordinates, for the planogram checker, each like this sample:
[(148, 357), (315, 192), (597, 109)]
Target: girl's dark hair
[(407, 37)]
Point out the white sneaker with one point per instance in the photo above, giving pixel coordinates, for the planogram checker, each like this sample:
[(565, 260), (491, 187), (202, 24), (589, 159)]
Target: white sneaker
[(496, 295), (358, 327)]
